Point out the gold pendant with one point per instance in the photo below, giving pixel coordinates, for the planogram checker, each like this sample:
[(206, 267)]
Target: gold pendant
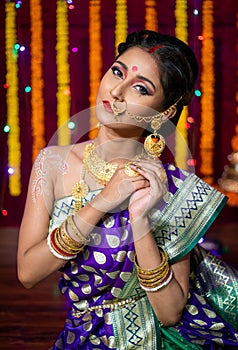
[(79, 191), (154, 145)]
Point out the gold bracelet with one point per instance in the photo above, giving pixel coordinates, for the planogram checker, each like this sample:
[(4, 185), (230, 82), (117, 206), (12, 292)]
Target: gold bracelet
[(161, 285), (64, 245), (155, 274), (65, 242), (75, 229), (155, 278), (155, 282), (60, 247), (68, 239), (161, 266), (55, 249)]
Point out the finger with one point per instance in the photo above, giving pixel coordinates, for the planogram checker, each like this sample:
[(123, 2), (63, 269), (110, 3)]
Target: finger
[(152, 165), (149, 162), (150, 172)]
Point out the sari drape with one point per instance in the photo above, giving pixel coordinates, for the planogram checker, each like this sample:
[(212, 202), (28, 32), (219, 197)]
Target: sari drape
[(108, 308)]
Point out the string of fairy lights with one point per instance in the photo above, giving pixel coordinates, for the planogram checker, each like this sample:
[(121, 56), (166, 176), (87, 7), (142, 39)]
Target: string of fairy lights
[(203, 13)]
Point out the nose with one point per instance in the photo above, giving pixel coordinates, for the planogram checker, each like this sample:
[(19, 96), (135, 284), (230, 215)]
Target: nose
[(118, 91)]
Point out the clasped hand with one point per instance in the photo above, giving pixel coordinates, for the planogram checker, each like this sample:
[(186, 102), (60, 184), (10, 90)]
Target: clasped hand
[(141, 193)]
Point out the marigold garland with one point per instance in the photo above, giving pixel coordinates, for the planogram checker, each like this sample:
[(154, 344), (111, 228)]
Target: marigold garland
[(14, 147), (237, 64), (37, 84), (233, 195), (121, 24), (95, 60), (63, 80), (207, 98), (151, 15), (181, 136)]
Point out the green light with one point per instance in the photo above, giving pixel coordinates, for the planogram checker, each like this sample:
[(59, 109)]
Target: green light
[(28, 89), (197, 93), (71, 125), (17, 46), (6, 128)]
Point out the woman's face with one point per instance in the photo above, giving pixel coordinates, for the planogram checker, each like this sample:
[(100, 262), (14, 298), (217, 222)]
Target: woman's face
[(132, 81)]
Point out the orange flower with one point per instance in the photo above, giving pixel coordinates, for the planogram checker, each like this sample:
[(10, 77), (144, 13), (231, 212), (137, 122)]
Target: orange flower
[(95, 60), (207, 99), (151, 16), (181, 136), (37, 83)]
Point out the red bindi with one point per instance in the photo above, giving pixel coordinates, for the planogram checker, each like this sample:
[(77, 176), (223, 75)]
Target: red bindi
[(134, 68)]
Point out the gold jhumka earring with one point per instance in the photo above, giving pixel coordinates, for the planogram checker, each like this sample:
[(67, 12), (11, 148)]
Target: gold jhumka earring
[(154, 143)]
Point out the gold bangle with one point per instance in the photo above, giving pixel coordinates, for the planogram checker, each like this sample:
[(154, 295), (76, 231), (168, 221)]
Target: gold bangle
[(161, 266), (67, 238), (59, 246), (55, 248), (156, 273), (160, 286), (155, 277), (156, 283), (75, 229), (64, 245)]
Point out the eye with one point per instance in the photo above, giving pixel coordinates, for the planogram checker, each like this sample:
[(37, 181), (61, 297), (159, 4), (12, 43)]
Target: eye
[(143, 90), (117, 72)]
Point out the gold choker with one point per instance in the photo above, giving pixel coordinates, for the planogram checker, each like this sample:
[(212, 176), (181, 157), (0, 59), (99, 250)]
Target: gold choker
[(98, 168)]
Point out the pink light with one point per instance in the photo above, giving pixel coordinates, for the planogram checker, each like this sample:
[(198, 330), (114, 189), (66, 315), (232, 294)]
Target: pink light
[(4, 212), (74, 49), (191, 162), (190, 120)]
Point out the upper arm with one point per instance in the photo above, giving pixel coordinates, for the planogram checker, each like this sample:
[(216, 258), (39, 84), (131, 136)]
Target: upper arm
[(40, 197)]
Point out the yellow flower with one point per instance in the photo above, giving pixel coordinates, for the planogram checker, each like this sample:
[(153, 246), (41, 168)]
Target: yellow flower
[(14, 147), (63, 82)]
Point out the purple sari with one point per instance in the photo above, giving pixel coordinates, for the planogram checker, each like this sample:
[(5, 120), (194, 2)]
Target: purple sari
[(109, 310)]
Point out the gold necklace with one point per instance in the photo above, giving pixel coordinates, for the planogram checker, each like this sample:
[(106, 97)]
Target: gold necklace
[(98, 168)]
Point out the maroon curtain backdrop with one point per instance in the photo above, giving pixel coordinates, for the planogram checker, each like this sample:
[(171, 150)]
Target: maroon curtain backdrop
[(225, 39)]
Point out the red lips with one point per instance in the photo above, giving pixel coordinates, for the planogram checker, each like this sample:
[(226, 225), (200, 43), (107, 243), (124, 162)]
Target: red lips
[(107, 106)]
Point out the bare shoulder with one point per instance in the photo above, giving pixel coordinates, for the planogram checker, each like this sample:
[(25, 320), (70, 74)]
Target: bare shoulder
[(64, 163), (60, 157)]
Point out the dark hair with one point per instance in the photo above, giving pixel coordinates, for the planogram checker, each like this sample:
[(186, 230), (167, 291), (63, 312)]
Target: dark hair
[(176, 61)]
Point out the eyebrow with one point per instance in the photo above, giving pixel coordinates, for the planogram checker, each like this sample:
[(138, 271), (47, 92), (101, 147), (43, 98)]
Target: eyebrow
[(139, 76)]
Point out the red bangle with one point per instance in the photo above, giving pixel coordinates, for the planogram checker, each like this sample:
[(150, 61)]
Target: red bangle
[(54, 245)]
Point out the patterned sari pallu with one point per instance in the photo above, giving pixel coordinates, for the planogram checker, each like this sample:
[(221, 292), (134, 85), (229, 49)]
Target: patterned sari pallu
[(108, 308)]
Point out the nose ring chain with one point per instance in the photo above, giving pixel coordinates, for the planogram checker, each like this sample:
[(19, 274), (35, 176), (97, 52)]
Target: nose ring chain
[(118, 107)]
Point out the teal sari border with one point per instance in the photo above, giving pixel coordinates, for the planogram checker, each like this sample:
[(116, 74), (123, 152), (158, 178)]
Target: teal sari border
[(202, 232), (186, 217)]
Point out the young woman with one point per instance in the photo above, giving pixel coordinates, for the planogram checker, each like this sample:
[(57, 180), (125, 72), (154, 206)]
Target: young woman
[(122, 227)]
